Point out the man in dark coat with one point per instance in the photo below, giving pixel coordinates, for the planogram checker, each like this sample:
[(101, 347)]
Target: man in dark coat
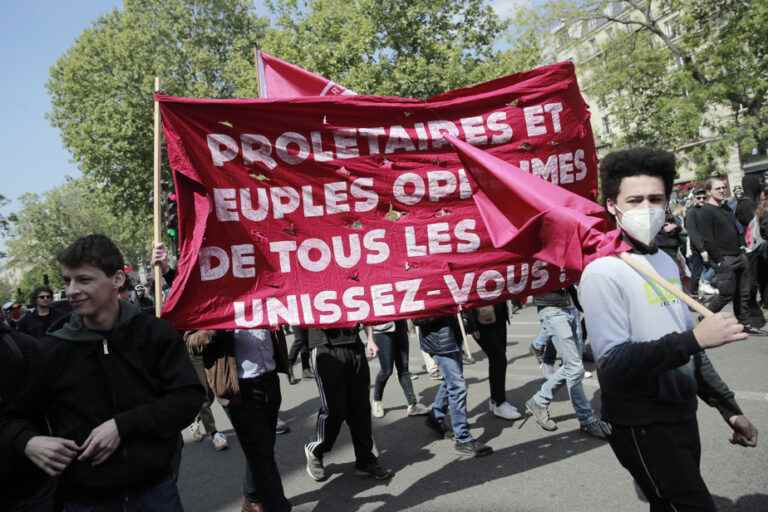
[(116, 386)]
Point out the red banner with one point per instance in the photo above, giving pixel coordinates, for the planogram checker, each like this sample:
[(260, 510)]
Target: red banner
[(281, 79), (337, 210)]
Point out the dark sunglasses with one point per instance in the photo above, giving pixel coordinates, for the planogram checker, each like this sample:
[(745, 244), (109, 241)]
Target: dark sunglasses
[(44, 296)]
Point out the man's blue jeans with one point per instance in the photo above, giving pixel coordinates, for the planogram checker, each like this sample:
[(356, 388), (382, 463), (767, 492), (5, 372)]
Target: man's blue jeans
[(452, 394), (563, 327), (163, 497)]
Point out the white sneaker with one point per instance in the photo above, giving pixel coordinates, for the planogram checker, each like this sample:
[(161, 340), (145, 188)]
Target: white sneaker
[(504, 410), (377, 409), (219, 441), (587, 374), (197, 431), (417, 409)]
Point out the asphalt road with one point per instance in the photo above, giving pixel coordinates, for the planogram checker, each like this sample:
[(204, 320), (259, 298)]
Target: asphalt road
[(530, 470)]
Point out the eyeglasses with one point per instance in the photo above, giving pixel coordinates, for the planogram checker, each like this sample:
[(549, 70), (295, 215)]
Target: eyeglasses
[(44, 297)]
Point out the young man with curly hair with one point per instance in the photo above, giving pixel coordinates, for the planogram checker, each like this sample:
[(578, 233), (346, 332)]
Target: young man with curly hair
[(651, 358)]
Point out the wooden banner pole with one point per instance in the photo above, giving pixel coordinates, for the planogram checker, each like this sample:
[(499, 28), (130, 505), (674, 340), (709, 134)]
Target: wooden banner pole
[(156, 184), (649, 272)]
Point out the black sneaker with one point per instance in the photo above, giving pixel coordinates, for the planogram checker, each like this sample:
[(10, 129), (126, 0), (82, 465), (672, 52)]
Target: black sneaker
[(541, 415), (374, 470), (439, 427), (473, 448), (599, 429), (315, 468)]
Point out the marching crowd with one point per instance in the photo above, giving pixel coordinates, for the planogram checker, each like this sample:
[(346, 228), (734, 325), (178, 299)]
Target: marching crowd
[(95, 392)]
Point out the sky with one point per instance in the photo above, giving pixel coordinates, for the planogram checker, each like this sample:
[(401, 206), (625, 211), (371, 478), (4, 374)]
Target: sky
[(33, 35)]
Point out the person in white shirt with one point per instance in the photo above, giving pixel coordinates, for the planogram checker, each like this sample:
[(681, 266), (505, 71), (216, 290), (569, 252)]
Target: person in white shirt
[(650, 357)]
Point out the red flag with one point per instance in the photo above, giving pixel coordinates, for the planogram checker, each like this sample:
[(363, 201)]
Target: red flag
[(281, 79), (535, 218)]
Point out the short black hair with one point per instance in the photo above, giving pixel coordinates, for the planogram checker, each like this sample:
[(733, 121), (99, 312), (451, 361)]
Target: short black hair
[(752, 185), (641, 161), (39, 289), (96, 250)]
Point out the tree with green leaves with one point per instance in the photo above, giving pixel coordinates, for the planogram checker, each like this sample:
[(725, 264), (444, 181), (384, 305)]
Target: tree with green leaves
[(690, 75), (101, 88), (45, 225), (411, 49)]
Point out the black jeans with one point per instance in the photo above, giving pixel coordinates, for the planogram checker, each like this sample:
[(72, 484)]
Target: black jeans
[(299, 346), (343, 380), (493, 341), (733, 282), (664, 460), (755, 314), (393, 352), (696, 266), (254, 417)]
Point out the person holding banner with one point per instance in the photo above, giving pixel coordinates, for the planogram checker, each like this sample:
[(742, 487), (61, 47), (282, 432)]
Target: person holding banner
[(341, 372), (560, 319), (389, 341), (491, 329), (440, 339), (651, 359), (259, 355)]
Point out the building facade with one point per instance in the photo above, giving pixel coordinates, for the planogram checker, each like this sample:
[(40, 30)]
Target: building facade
[(583, 40)]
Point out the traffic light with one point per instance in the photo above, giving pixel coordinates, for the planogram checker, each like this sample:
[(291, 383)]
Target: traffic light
[(171, 217)]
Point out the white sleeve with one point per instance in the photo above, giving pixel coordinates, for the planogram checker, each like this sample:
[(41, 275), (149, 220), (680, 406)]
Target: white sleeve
[(606, 310)]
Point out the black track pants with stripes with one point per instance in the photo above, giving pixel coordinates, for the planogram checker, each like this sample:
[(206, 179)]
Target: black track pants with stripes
[(664, 460), (343, 381)]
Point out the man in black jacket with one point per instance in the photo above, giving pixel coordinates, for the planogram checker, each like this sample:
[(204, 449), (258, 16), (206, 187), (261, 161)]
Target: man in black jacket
[(651, 359), (723, 249), (37, 322), (26, 488), (337, 358), (116, 386), (695, 263)]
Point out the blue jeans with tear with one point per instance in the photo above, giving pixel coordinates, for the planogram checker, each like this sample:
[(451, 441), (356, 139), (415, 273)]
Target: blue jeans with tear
[(563, 327)]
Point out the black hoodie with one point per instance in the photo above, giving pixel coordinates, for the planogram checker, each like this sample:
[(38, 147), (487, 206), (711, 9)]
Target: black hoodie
[(139, 374)]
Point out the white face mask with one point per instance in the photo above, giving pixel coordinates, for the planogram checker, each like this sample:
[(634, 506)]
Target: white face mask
[(642, 224)]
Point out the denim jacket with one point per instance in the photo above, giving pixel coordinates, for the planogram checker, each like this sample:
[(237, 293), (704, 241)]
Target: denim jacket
[(439, 335)]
